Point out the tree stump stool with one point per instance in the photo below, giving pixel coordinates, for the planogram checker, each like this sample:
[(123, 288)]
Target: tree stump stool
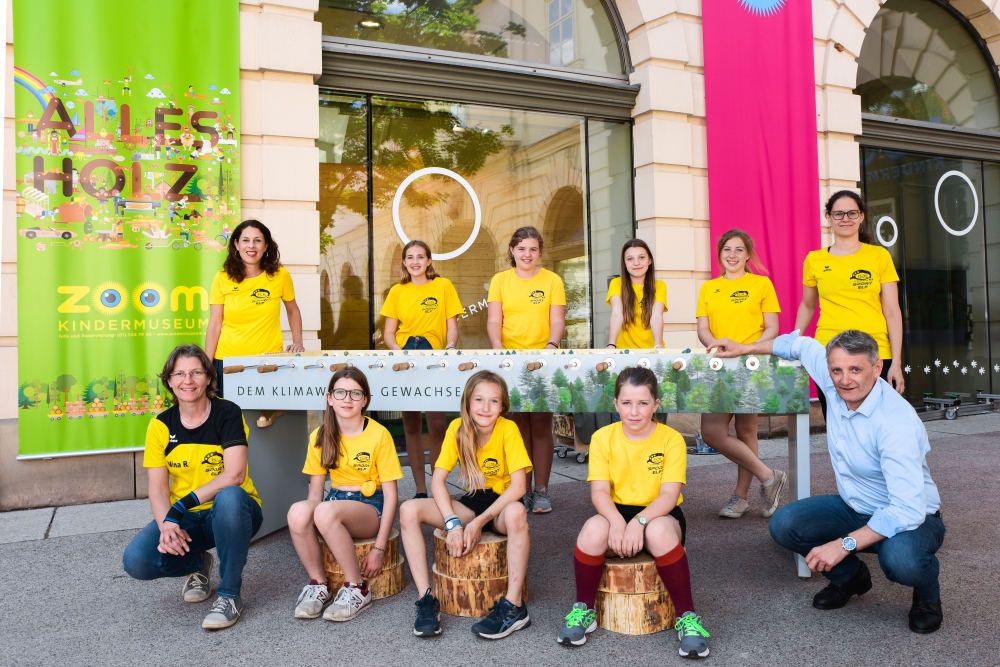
[(631, 598), (471, 585), (388, 582)]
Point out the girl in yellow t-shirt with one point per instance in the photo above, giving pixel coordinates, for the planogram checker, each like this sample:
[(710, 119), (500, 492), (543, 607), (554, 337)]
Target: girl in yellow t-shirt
[(855, 284), (741, 306), (494, 466), (638, 300), (421, 313), (527, 311), (245, 316), (359, 456), (637, 469)]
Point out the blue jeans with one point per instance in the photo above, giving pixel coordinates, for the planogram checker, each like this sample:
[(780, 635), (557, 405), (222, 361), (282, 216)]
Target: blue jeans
[(228, 525), (376, 500), (417, 343), (907, 558)]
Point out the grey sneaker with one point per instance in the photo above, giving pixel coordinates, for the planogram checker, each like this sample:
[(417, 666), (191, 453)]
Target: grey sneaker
[(350, 602), (579, 623), (197, 585), (312, 601), (225, 612), (770, 496), (540, 502), (735, 508), (528, 500), (692, 636)]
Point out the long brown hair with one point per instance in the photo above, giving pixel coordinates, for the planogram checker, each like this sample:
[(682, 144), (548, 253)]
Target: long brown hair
[(752, 258), (628, 291), (468, 437), (864, 232), (328, 435), (429, 273), (520, 234), (270, 262)]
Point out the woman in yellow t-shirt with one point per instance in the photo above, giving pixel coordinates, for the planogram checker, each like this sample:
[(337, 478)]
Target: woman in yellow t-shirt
[(741, 306), (421, 313), (245, 316), (637, 469), (494, 467), (638, 300), (359, 456), (855, 284), (527, 311)]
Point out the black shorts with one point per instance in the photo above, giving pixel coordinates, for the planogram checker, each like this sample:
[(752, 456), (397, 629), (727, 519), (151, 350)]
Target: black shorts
[(479, 501), (629, 512)]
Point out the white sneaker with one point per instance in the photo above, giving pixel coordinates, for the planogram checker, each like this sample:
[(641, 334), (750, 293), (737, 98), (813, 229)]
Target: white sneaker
[(735, 508), (312, 601), (350, 602), (198, 585)]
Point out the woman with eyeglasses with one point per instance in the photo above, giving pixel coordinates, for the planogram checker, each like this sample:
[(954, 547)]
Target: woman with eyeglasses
[(199, 490), (855, 284), (245, 317)]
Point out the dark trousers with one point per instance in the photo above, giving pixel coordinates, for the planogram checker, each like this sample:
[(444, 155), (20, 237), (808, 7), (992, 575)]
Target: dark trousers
[(228, 525), (218, 373), (907, 558)]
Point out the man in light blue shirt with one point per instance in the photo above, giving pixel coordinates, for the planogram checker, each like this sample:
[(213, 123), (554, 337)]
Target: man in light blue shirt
[(887, 503)]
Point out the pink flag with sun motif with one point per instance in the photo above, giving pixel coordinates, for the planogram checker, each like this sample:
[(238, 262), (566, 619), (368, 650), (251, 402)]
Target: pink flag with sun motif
[(763, 172)]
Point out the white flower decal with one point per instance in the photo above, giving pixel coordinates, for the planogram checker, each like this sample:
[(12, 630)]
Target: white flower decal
[(946, 369), (982, 371), (955, 364), (927, 369), (973, 363), (906, 369), (937, 362), (964, 370)]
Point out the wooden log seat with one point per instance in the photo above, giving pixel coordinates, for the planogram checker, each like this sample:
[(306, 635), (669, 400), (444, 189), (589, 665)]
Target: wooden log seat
[(388, 582), (471, 585), (631, 599)]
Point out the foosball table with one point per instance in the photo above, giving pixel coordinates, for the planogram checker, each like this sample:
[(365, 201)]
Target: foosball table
[(276, 390)]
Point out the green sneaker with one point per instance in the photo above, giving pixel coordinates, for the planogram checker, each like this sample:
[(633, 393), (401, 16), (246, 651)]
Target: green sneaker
[(692, 636), (579, 623)]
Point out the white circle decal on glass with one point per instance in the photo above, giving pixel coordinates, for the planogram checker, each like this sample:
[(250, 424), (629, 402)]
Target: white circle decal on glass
[(441, 171), (975, 201), (895, 231)]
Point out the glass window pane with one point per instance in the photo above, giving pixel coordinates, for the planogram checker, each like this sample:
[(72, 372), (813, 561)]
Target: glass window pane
[(343, 212), (498, 28), (610, 212), (918, 62), (555, 34), (524, 168)]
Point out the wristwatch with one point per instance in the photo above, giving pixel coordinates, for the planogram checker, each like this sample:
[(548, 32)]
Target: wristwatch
[(642, 521), (452, 522), (849, 544)]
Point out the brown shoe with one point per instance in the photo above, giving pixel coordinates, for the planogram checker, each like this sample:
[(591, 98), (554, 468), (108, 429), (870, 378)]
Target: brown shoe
[(770, 496)]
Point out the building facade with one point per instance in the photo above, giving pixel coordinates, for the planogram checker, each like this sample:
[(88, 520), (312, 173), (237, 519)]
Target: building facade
[(586, 119)]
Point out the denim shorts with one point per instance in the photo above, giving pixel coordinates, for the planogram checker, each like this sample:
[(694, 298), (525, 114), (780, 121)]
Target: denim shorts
[(417, 343), (376, 500)]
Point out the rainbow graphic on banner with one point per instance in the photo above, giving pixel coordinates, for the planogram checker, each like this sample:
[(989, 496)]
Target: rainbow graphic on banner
[(762, 7), (42, 93)]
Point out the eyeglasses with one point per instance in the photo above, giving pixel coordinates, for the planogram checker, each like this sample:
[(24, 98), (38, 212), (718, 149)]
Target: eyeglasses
[(355, 394), (195, 375), (851, 215)]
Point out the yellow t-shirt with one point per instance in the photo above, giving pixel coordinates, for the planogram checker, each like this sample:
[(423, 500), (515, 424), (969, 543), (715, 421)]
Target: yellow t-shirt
[(637, 469), (423, 310), (526, 307), (735, 308), (636, 335), (502, 454), (251, 322), (193, 457), (368, 456), (850, 292)]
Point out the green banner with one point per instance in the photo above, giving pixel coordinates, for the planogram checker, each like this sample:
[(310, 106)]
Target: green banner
[(128, 172)]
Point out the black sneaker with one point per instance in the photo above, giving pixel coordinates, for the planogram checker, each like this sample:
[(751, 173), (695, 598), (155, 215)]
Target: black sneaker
[(428, 623), (504, 619)]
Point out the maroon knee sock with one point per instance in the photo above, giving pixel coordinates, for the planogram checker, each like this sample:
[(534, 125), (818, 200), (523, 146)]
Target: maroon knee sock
[(589, 570), (673, 569)]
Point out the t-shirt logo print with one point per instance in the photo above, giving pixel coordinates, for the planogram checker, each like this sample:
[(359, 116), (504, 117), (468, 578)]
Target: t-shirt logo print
[(429, 305), (212, 463), (655, 462), (491, 467), (362, 461), (260, 295), (537, 296), (861, 278), (739, 296)]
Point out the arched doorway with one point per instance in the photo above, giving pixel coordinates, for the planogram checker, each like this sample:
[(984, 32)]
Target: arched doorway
[(564, 230)]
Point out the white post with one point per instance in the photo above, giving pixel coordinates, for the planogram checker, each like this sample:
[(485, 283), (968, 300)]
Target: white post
[(798, 470)]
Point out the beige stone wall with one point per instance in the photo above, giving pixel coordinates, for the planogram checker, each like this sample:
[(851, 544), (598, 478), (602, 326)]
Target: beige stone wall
[(280, 60)]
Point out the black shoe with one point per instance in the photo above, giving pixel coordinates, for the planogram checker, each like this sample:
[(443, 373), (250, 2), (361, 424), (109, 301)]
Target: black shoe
[(428, 623), (504, 619), (835, 597), (420, 495), (925, 617)]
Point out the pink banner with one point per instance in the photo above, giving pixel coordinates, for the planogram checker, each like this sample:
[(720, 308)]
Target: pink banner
[(763, 172)]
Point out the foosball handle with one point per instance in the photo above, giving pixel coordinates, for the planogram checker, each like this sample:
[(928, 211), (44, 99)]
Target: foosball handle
[(535, 365), (601, 367), (267, 368), (467, 366), (402, 367), (233, 369), (336, 367)]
